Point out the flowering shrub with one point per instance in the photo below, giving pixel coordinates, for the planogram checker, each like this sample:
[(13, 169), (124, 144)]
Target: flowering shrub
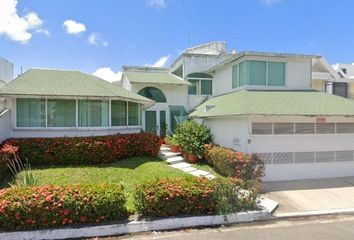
[(51, 206), (241, 167), (83, 150), (172, 197), (191, 196)]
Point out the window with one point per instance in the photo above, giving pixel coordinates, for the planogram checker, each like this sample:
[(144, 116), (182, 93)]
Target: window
[(61, 113), (134, 113), (340, 89), (30, 112), (276, 74), (177, 115), (201, 84), (304, 128), (93, 113), (118, 113), (283, 128), (153, 94), (258, 73), (235, 76)]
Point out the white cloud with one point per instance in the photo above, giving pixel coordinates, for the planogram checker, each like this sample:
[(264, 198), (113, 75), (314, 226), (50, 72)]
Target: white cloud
[(161, 62), (108, 74), (43, 31), (17, 28), (158, 4), (73, 27), (96, 39), (270, 2)]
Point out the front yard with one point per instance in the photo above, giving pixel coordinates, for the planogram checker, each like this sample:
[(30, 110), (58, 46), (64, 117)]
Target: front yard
[(129, 172)]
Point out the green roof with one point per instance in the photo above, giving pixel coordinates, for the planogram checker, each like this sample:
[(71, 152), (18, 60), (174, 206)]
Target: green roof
[(45, 82), (159, 77), (272, 103)]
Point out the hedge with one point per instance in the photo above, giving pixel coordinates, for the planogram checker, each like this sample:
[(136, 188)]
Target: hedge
[(191, 196), (240, 167), (85, 150), (52, 206)]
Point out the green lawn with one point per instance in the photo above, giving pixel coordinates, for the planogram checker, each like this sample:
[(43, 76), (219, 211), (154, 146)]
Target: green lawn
[(128, 172)]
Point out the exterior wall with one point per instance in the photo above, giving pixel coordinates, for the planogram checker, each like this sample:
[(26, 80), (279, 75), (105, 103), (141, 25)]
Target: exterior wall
[(8, 124), (175, 95), (298, 75), (230, 132), (6, 70)]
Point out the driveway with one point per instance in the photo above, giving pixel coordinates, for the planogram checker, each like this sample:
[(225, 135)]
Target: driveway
[(311, 195)]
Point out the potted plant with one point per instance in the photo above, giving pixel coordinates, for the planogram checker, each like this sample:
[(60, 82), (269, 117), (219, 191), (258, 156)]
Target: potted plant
[(173, 143), (191, 137)]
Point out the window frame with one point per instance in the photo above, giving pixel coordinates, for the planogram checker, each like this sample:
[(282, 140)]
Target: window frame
[(199, 86), (77, 127), (246, 84)]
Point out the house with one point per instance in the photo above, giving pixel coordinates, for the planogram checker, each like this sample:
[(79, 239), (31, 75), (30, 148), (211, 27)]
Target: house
[(53, 103)]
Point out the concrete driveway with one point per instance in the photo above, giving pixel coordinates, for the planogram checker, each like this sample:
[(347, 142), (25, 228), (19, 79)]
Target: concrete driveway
[(311, 195)]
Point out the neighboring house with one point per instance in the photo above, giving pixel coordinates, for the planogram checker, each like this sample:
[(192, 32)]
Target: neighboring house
[(6, 75), (52, 103)]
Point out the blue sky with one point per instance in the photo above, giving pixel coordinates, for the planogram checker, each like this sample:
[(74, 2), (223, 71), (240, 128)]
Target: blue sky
[(112, 33)]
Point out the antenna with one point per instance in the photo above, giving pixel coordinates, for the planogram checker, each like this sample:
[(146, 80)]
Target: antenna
[(21, 70)]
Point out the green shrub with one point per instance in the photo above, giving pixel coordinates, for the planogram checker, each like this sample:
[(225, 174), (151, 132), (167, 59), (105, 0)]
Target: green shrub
[(192, 136), (173, 197), (85, 150), (172, 140), (192, 196), (51, 206), (241, 167)]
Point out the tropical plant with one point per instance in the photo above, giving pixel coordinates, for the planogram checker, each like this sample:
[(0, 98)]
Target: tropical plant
[(192, 136), (172, 140)]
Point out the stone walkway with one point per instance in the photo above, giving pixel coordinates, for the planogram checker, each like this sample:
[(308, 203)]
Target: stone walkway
[(175, 160)]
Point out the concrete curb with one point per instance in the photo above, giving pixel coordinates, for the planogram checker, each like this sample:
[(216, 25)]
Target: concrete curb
[(139, 226), (337, 211)]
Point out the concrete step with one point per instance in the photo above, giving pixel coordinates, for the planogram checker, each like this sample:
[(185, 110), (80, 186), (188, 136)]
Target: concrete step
[(166, 155), (200, 173), (165, 149), (174, 160), (181, 166)]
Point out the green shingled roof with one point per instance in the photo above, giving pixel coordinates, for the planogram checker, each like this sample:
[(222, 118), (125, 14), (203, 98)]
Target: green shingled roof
[(300, 103), (45, 82), (159, 77)]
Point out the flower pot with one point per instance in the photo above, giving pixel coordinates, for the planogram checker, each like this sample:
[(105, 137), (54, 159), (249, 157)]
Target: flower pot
[(174, 149), (193, 158)]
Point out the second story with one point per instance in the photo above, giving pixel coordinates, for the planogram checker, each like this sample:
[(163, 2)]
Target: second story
[(262, 71), (6, 71)]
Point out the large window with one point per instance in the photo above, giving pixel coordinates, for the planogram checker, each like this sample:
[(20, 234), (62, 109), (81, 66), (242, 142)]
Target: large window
[(119, 113), (61, 112), (93, 113), (201, 84), (134, 114), (69, 113), (30, 112), (258, 73)]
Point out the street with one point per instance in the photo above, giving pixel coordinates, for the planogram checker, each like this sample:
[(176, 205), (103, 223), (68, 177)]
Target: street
[(319, 228)]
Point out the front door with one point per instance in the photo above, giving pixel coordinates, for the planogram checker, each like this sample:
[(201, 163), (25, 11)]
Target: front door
[(155, 122), (150, 121)]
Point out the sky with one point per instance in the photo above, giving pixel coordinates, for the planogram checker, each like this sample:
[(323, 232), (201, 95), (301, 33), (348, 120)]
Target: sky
[(100, 36)]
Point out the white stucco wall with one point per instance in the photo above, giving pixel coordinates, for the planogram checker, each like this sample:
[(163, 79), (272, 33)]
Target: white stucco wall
[(298, 75), (5, 126), (230, 132), (6, 70)]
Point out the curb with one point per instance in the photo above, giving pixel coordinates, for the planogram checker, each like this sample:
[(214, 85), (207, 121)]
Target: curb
[(139, 226), (337, 211)]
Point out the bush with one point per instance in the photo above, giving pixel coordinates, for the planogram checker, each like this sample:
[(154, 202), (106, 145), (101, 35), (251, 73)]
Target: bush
[(172, 197), (192, 136), (171, 140), (191, 196), (241, 167), (51, 206), (85, 150)]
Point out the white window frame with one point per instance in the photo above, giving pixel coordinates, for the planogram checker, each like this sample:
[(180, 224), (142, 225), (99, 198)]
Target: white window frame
[(199, 88)]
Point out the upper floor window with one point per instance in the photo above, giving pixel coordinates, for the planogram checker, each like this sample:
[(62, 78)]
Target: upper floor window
[(258, 73), (201, 84), (153, 94)]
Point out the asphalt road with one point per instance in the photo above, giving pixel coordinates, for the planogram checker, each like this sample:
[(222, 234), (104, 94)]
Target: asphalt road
[(320, 228)]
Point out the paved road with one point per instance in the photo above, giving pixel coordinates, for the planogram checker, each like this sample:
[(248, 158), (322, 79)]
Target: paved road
[(323, 228)]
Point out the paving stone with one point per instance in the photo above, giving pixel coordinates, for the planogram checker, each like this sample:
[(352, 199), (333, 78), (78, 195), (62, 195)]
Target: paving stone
[(210, 176), (174, 160), (199, 173), (166, 155), (165, 149), (188, 169), (180, 165)]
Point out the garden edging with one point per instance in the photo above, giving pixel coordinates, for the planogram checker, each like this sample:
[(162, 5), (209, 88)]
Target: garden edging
[(141, 226)]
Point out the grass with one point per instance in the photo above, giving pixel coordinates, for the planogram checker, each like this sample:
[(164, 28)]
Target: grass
[(128, 172)]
